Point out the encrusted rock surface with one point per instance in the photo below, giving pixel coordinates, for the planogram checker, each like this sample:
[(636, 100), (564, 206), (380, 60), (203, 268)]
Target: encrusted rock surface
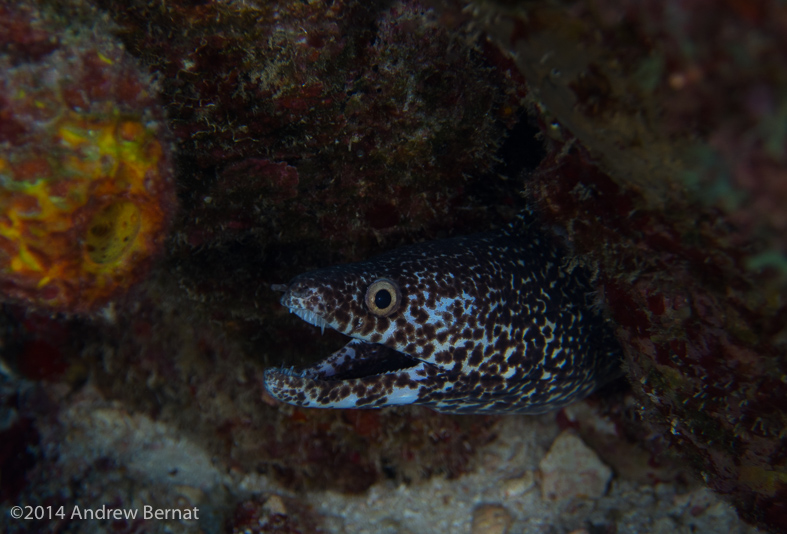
[(490, 519), (571, 469)]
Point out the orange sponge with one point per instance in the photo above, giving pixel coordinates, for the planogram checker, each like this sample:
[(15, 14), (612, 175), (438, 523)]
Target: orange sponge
[(86, 193)]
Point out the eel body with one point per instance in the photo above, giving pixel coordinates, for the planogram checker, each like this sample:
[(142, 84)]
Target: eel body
[(488, 323)]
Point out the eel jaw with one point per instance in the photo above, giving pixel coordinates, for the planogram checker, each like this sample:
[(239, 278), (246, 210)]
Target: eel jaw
[(359, 375)]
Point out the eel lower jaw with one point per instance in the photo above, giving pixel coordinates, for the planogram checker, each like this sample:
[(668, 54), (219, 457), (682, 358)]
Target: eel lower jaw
[(360, 375), (398, 388)]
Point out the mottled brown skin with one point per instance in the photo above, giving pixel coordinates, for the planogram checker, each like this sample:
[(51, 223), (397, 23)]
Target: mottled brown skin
[(487, 323)]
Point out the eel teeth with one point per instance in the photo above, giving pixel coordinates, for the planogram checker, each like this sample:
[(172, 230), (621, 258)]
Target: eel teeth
[(310, 317)]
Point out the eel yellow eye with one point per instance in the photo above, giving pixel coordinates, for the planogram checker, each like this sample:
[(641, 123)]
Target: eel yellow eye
[(383, 297)]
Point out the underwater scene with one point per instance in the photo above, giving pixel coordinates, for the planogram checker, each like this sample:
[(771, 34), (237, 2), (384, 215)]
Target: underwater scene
[(393, 266)]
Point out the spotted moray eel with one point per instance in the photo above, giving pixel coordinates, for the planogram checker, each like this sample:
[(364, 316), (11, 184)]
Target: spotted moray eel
[(488, 323)]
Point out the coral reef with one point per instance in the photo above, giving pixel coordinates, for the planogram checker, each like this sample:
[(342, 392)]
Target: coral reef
[(386, 122), (667, 173), (313, 133), (695, 328), (85, 173)]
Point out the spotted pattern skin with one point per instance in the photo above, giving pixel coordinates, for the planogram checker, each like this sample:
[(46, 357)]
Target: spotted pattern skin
[(488, 323)]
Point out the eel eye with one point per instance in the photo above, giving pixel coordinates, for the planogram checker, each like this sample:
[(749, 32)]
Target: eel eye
[(383, 297)]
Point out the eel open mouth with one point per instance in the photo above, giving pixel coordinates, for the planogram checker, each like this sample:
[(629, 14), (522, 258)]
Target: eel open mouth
[(368, 359), (360, 374)]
